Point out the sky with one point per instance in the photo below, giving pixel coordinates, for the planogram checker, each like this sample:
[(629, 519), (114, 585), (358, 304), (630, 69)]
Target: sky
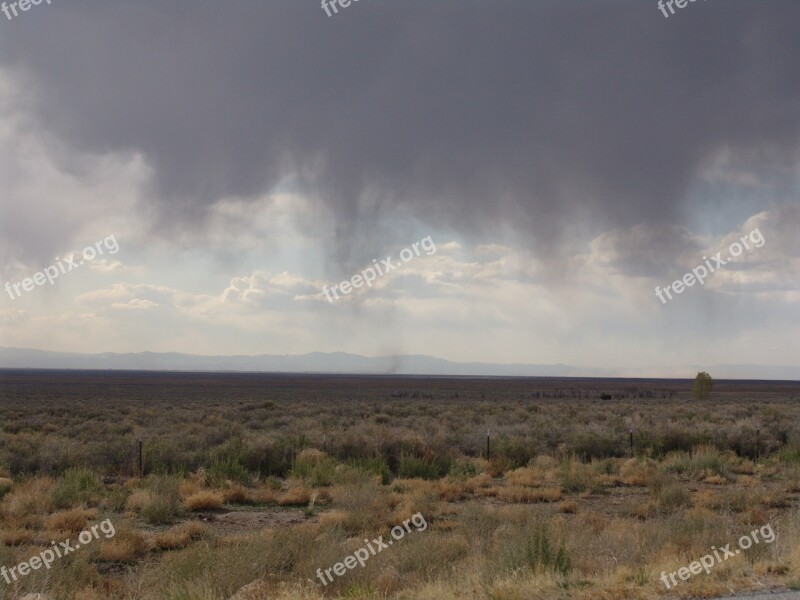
[(564, 159)]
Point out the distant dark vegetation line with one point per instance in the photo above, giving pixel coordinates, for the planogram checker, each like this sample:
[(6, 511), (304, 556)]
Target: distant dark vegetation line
[(245, 426)]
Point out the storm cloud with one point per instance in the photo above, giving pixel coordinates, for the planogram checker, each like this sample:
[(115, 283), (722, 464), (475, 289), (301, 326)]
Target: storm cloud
[(463, 114)]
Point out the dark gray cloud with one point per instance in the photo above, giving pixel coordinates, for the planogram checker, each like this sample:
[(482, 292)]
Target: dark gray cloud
[(466, 114)]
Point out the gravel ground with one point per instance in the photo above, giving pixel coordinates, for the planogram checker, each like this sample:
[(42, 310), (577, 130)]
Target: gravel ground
[(773, 595)]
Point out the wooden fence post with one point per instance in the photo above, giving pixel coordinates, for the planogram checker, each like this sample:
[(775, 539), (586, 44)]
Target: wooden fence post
[(632, 454)]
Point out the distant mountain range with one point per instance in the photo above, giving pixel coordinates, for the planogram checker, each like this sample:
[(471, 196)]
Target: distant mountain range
[(341, 362)]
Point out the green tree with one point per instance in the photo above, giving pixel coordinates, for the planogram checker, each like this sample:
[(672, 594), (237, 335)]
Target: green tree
[(703, 384)]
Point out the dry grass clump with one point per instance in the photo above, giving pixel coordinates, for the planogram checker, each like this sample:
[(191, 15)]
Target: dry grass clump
[(672, 497), (138, 500), (730, 499), (525, 476), (237, 494), (72, 521), (204, 500), (295, 496), (118, 551), (481, 480), (18, 537), (743, 467), (264, 495), (172, 539), (388, 582), (126, 546), (180, 536), (715, 480), (5, 485), (332, 518), (793, 479), (529, 495), (569, 507), (195, 529), (576, 477), (637, 472), (34, 497), (592, 520), (188, 488), (451, 491), (776, 499)]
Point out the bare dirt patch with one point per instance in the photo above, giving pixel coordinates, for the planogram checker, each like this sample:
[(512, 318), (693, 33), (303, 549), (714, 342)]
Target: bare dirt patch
[(250, 521)]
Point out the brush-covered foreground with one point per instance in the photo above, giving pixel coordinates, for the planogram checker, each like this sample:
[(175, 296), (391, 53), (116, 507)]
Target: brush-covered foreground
[(263, 480)]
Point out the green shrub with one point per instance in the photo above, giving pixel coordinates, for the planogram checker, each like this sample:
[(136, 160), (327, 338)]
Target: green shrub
[(703, 461), (164, 505), (315, 467), (518, 451), (411, 467), (463, 469), (531, 548), (77, 487), (223, 470), (789, 454), (673, 497), (373, 466), (591, 445)]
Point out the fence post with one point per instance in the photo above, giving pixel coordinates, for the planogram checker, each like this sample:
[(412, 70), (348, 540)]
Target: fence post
[(141, 462), (758, 443), (632, 454), (488, 449)]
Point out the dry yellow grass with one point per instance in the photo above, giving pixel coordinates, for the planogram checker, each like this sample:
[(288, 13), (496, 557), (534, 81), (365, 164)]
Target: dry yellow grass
[(138, 500), (776, 499), (34, 497), (72, 521), (450, 491), (204, 500), (715, 480), (195, 529), (526, 476), (483, 480), (637, 472), (237, 494), (173, 539), (593, 521), (568, 507), (388, 581), (332, 518), (121, 551), (18, 537), (264, 495), (528, 495), (188, 488), (90, 593), (295, 496)]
